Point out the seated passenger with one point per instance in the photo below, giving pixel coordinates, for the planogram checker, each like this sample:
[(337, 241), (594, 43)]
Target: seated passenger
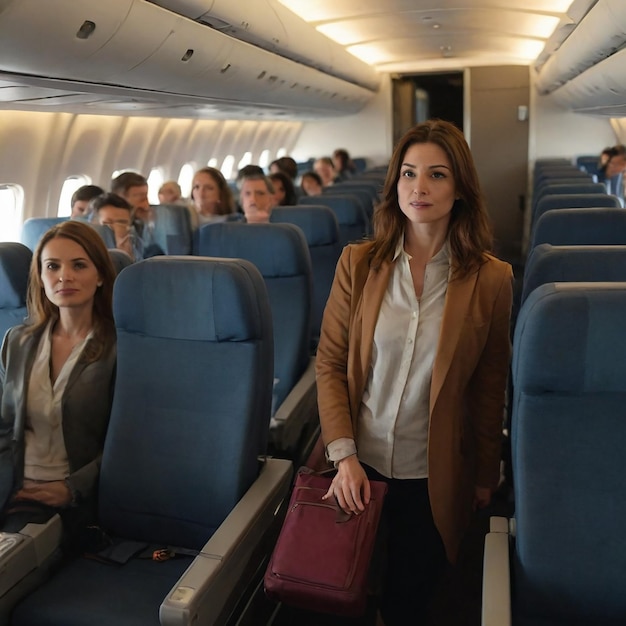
[(326, 171), (257, 198), (170, 193), (56, 383), (615, 164), (211, 196), (133, 188), (311, 184), (81, 198), (286, 165), (343, 164), (113, 211), (284, 193)]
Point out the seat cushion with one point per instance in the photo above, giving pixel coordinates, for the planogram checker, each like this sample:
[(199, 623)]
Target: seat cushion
[(74, 596)]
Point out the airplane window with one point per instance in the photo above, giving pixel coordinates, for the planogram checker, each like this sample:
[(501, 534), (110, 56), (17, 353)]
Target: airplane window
[(155, 180), (246, 159), (185, 178), (281, 153), (264, 159), (212, 162), (11, 207), (70, 185), (227, 167)]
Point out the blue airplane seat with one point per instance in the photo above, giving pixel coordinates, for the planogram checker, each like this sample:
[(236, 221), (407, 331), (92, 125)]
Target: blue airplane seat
[(574, 186), (320, 227), (367, 195), (353, 222), (120, 259), (108, 236), (546, 174), (360, 163), (172, 228), (281, 254), (573, 201), (588, 163), (15, 259), (563, 562), (580, 227), (34, 228), (180, 465), (563, 264)]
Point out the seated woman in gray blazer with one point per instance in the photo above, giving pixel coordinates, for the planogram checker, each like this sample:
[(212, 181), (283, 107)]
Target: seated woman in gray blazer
[(56, 383)]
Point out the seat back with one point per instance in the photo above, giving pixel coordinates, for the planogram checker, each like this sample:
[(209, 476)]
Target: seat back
[(573, 201), (280, 253), (550, 188), (192, 397), (172, 228), (15, 259), (321, 230), (579, 227), (568, 442), (108, 236), (120, 259), (34, 228), (588, 163), (351, 217), (555, 264)]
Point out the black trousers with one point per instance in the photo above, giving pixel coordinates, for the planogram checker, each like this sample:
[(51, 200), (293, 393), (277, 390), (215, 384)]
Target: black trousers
[(415, 558)]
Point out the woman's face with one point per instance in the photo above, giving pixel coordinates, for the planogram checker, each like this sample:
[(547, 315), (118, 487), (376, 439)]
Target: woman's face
[(279, 191), (168, 194), (426, 187), (68, 275), (310, 186), (205, 193)]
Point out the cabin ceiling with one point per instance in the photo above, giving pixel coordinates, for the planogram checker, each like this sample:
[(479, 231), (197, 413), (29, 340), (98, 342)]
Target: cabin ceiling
[(406, 36), (297, 59)]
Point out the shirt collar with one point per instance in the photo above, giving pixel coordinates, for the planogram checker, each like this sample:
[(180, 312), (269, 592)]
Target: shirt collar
[(443, 256)]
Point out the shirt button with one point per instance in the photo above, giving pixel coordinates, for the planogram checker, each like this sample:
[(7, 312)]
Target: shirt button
[(410, 340), (414, 315)]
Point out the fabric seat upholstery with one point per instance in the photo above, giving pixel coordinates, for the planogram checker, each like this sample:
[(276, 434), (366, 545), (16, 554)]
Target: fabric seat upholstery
[(15, 259), (319, 225)]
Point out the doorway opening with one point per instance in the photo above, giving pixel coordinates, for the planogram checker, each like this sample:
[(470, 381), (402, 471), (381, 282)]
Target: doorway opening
[(419, 97)]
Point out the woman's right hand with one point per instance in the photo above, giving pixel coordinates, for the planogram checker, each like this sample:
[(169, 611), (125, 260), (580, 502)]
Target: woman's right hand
[(350, 487)]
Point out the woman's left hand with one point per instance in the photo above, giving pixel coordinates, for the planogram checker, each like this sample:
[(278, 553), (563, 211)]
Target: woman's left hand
[(482, 497), (54, 493)]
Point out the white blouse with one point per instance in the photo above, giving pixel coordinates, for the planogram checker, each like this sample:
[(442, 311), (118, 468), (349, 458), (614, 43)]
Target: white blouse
[(392, 427), (45, 453)]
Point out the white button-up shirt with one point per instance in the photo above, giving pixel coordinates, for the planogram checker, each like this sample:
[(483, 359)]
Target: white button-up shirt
[(45, 454), (392, 431)]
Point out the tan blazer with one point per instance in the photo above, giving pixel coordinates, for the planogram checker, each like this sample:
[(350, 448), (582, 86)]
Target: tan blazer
[(468, 381)]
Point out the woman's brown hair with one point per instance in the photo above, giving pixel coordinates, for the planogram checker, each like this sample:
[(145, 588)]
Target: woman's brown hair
[(469, 231), (41, 310), (226, 204)]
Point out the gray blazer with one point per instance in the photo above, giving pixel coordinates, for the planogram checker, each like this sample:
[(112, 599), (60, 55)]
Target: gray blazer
[(86, 409)]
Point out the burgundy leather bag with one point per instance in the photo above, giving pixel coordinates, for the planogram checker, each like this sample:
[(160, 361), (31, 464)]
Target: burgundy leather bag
[(322, 556)]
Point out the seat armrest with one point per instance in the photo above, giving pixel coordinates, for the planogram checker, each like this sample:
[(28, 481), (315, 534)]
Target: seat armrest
[(496, 601), (23, 552), (298, 410), (202, 592)]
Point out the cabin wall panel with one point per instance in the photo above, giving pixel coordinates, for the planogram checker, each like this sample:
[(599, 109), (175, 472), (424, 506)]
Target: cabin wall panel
[(40, 150), (367, 133), (31, 156), (171, 151)]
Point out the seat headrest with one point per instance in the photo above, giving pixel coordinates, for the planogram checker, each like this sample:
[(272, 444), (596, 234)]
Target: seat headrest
[(317, 222), (277, 250), (570, 338), (15, 259), (189, 284)]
